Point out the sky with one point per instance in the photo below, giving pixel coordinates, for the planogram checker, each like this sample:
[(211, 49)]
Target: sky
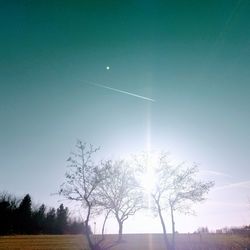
[(190, 62)]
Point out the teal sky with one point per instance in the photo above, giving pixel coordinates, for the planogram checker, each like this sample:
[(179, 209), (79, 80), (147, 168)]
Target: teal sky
[(191, 57)]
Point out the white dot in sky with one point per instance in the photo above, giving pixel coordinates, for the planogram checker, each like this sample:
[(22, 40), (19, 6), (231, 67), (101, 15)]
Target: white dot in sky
[(107, 68)]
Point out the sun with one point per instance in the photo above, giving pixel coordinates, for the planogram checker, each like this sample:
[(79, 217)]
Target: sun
[(148, 179), (148, 182)]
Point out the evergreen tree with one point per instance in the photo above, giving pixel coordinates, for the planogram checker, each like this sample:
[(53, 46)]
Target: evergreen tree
[(39, 218), (24, 215), (5, 217), (8, 207), (61, 219), (19, 218), (50, 226)]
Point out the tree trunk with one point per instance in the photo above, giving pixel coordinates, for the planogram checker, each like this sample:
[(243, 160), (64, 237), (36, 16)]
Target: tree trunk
[(91, 245), (173, 227), (104, 222), (120, 230), (167, 245)]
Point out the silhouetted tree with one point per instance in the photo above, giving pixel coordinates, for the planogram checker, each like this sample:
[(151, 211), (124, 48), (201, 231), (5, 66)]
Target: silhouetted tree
[(184, 192), (77, 227), (5, 214), (120, 193), (51, 221), (62, 219), (82, 180), (203, 230), (175, 188), (18, 217), (39, 220), (24, 215), (8, 206)]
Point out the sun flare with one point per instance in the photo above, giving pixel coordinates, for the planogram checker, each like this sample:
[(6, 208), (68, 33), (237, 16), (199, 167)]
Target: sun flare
[(148, 181), (149, 178)]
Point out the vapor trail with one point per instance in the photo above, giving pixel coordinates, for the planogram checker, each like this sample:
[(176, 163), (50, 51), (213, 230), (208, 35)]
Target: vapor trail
[(241, 184), (121, 91), (216, 173)]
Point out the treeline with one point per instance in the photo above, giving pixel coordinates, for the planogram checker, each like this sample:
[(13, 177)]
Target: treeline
[(19, 217), (243, 230)]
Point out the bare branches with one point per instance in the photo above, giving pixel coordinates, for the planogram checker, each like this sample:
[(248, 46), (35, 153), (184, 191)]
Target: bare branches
[(175, 187), (83, 178), (120, 192), (117, 186), (186, 189), (83, 175)]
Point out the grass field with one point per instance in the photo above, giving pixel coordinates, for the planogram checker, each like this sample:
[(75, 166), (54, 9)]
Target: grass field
[(130, 242), (43, 242)]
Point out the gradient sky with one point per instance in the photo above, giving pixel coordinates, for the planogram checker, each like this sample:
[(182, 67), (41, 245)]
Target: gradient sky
[(191, 57)]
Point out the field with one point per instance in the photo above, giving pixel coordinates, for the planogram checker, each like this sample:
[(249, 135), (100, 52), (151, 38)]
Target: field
[(43, 242), (130, 242)]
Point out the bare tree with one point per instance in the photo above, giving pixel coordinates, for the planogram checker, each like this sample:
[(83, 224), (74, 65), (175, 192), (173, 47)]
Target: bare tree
[(120, 193), (184, 192), (175, 188), (157, 172), (82, 181)]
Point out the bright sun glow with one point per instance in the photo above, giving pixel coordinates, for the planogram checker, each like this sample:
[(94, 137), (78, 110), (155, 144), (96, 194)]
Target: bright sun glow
[(148, 181)]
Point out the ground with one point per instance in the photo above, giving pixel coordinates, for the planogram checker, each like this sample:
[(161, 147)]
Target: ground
[(130, 242)]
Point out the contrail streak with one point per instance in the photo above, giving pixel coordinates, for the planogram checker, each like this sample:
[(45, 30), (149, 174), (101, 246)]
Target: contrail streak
[(216, 173), (121, 91), (242, 184)]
